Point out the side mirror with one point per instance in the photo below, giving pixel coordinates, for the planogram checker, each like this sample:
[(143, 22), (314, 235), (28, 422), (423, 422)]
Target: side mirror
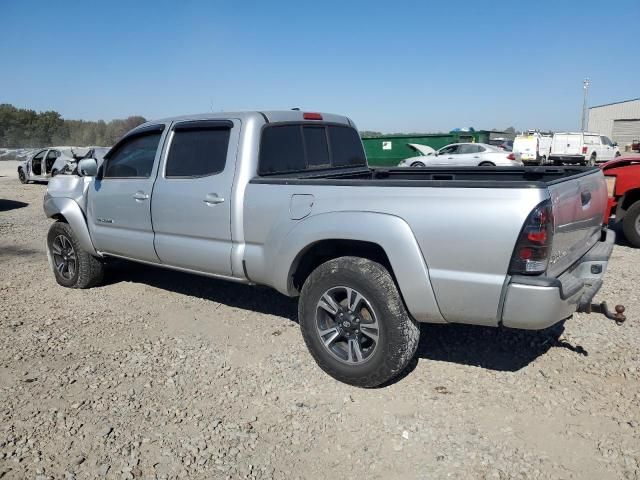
[(87, 167)]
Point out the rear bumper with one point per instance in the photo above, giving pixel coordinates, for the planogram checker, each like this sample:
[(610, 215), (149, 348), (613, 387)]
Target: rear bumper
[(533, 303), (568, 158)]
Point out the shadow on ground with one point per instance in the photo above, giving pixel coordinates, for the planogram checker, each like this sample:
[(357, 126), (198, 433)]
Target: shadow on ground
[(257, 299), (6, 205), (17, 251), (499, 349)]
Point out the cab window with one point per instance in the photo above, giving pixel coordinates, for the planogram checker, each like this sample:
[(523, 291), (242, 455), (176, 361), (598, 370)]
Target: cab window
[(134, 157)]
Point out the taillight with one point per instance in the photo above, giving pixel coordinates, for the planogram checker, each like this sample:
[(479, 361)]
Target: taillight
[(584, 150), (311, 116), (511, 156), (531, 254)]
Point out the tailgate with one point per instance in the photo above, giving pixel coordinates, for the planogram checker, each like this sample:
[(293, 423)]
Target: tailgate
[(566, 144), (579, 204)]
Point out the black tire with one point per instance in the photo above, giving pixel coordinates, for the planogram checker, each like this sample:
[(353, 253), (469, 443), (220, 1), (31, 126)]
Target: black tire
[(417, 164), (543, 160), (22, 176), (398, 334), (83, 270), (486, 164), (617, 155), (631, 224), (592, 160)]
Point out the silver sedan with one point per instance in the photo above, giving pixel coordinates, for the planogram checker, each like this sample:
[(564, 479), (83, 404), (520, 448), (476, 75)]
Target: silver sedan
[(466, 155)]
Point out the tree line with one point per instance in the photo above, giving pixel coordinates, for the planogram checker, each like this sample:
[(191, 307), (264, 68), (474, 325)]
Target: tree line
[(24, 128)]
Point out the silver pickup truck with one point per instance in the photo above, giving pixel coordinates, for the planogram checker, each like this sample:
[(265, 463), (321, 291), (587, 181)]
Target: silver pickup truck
[(286, 199)]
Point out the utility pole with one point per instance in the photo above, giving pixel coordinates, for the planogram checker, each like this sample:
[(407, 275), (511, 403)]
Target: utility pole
[(585, 86)]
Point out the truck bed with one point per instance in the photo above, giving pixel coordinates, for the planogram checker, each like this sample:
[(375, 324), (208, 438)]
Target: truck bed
[(454, 177)]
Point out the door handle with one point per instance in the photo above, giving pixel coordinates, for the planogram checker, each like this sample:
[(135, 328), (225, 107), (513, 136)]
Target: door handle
[(141, 196), (213, 199), (585, 198)]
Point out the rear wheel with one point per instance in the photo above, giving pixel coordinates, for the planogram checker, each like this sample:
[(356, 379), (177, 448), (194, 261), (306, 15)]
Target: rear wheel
[(22, 176), (417, 164), (592, 160), (72, 266), (486, 164), (631, 224), (543, 160), (354, 322)]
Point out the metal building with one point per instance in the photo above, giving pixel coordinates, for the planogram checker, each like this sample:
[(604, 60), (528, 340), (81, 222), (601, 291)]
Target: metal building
[(619, 121)]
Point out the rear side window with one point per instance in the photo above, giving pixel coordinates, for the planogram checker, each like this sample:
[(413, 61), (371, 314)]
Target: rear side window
[(346, 147), (281, 150), (301, 147), (197, 152), (134, 157)]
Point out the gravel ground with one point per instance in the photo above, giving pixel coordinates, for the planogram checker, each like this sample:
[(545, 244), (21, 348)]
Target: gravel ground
[(158, 374)]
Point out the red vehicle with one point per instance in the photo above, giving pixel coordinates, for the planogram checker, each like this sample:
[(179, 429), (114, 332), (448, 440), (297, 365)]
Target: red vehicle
[(623, 185)]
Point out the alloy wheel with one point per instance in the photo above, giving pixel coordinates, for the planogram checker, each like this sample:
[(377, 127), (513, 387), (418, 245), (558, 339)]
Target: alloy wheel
[(347, 325), (64, 256)]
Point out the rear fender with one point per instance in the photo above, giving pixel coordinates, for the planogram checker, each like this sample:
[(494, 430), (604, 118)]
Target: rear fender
[(71, 212), (390, 232)]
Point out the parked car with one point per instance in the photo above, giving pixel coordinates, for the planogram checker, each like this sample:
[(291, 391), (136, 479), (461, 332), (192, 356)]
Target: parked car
[(623, 185), (533, 147), (502, 143), (466, 154), (46, 163), (582, 148), (97, 153), (286, 199)]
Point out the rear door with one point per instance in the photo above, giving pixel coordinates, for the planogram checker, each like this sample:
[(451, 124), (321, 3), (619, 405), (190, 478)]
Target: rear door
[(119, 200), (191, 202), (567, 144), (579, 205)]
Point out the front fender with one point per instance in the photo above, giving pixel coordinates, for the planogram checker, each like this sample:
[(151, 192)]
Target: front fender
[(70, 210), (392, 233)]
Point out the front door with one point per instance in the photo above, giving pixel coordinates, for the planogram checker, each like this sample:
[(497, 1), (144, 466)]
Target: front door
[(191, 202), (35, 168), (447, 155), (120, 198)]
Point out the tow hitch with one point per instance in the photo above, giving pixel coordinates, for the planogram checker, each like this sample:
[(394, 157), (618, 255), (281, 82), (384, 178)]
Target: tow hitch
[(602, 308)]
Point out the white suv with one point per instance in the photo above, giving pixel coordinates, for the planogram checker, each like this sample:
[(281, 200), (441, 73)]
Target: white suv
[(583, 148)]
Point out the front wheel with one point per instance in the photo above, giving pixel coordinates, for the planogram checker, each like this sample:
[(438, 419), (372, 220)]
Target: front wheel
[(631, 224), (486, 164), (22, 176), (354, 322), (72, 266), (417, 164)]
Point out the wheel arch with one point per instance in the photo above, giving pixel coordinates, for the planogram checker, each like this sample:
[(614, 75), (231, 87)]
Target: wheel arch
[(384, 238), (68, 211)]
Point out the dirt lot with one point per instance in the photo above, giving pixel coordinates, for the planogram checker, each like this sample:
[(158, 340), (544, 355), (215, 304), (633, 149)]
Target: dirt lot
[(160, 374)]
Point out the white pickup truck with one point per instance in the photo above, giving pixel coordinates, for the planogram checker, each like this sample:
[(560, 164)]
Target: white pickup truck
[(286, 199), (582, 148)]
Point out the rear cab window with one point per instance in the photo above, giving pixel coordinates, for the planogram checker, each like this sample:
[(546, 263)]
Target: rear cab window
[(300, 147), (198, 149)]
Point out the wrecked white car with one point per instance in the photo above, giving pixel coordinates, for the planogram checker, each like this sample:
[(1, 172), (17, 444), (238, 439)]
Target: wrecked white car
[(49, 162)]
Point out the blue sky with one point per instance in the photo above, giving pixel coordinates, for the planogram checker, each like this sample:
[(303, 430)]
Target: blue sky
[(391, 66)]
